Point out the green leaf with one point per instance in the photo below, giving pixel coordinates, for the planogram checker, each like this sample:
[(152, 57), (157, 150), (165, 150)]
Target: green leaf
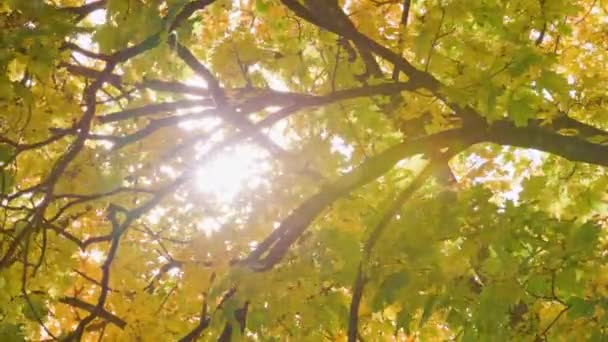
[(539, 285), (423, 43), (261, 6), (456, 94), (553, 82), (35, 309), (579, 307), (7, 181), (174, 9), (404, 317), (533, 187), (106, 37), (6, 153), (388, 291), (470, 334), (520, 111), (523, 60), (584, 237), (567, 282), (118, 7), (491, 95), (428, 309), (11, 333), (257, 318)]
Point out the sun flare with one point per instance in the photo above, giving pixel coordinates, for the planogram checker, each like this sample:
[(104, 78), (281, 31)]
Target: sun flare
[(241, 168)]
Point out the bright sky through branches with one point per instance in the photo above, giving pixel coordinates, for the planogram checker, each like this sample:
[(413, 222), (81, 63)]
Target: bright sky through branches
[(241, 168), (293, 169)]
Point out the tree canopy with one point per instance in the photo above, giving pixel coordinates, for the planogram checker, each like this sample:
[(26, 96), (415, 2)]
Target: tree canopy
[(306, 170)]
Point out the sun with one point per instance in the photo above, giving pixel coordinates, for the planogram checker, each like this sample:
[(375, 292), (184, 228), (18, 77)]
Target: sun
[(241, 168)]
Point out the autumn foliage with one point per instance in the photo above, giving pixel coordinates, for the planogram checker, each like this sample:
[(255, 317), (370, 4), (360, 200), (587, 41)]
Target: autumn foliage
[(315, 170)]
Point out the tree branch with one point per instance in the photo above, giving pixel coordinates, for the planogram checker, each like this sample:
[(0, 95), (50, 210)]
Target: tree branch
[(404, 19), (217, 93), (203, 324), (153, 109), (402, 199), (106, 315), (271, 250)]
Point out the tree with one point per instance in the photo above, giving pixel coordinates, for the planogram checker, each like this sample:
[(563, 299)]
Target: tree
[(303, 170)]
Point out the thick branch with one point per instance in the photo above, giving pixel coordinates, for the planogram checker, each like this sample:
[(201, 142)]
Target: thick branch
[(422, 78), (270, 251), (188, 10), (155, 39), (353, 315), (172, 87), (583, 130), (85, 52), (117, 231), (106, 315), (240, 316), (404, 19), (217, 93), (153, 84), (61, 164), (153, 109), (570, 147), (359, 284), (203, 324)]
